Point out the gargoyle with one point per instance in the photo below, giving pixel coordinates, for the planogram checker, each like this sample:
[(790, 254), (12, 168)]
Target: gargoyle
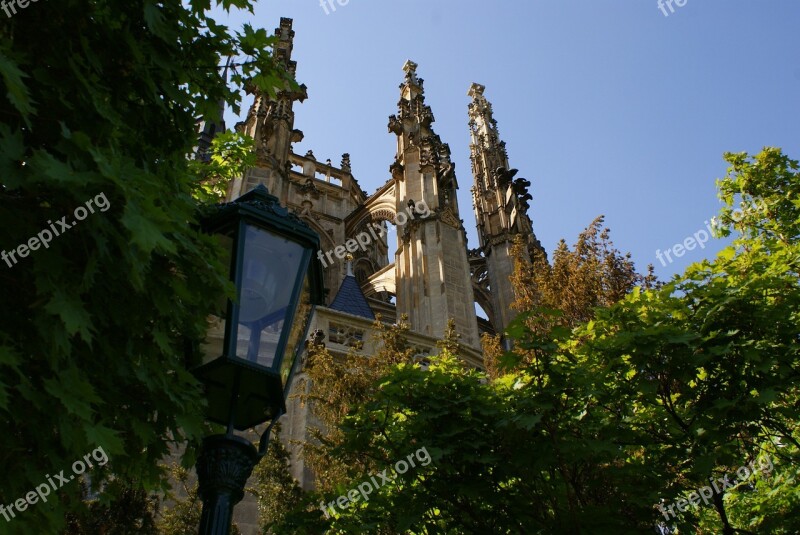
[(505, 176)]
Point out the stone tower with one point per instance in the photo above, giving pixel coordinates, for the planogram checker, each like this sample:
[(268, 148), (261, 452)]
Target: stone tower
[(432, 270), (500, 202), (270, 122)]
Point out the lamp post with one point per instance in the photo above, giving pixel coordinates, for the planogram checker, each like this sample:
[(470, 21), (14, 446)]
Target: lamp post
[(251, 351)]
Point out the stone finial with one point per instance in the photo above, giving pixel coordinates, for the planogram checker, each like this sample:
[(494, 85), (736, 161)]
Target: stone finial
[(476, 90), (410, 69), (310, 155), (284, 30), (480, 105), (286, 23), (346, 162), (349, 259)]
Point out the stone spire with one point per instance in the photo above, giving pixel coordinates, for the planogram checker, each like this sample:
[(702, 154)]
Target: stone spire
[(432, 269), (501, 203)]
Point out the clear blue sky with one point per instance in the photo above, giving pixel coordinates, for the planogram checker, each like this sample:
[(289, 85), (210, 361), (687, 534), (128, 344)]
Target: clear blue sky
[(608, 107)]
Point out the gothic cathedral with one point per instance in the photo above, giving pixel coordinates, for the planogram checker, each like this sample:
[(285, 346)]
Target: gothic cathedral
[(434, 276)]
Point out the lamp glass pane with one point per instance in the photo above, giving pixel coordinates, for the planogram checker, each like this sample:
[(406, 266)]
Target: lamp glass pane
[(298, 332), (213, 346), (270, 269)]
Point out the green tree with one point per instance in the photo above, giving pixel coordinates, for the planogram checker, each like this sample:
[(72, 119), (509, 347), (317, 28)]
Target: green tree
[(98, 102), (702, 373), (373, 410), (472, 484)]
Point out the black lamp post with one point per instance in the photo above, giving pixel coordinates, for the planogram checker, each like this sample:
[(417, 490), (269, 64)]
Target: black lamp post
[(251, 352)]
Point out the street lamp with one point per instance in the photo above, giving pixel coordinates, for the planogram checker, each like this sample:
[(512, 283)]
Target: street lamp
[(251, 351)]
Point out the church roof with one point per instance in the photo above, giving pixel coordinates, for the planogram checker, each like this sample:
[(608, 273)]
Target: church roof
[(351, 300)]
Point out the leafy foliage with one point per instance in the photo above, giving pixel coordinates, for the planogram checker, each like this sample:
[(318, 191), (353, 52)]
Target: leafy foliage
[(230, 155), (695, 379), (591, 275), (94, 324)]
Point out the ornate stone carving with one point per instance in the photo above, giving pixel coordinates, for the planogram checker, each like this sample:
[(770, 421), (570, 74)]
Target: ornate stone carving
[(448, 218), (381, 215), (428, 157), (502, 191), (425, 116), (447, 173), (309, 189)]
